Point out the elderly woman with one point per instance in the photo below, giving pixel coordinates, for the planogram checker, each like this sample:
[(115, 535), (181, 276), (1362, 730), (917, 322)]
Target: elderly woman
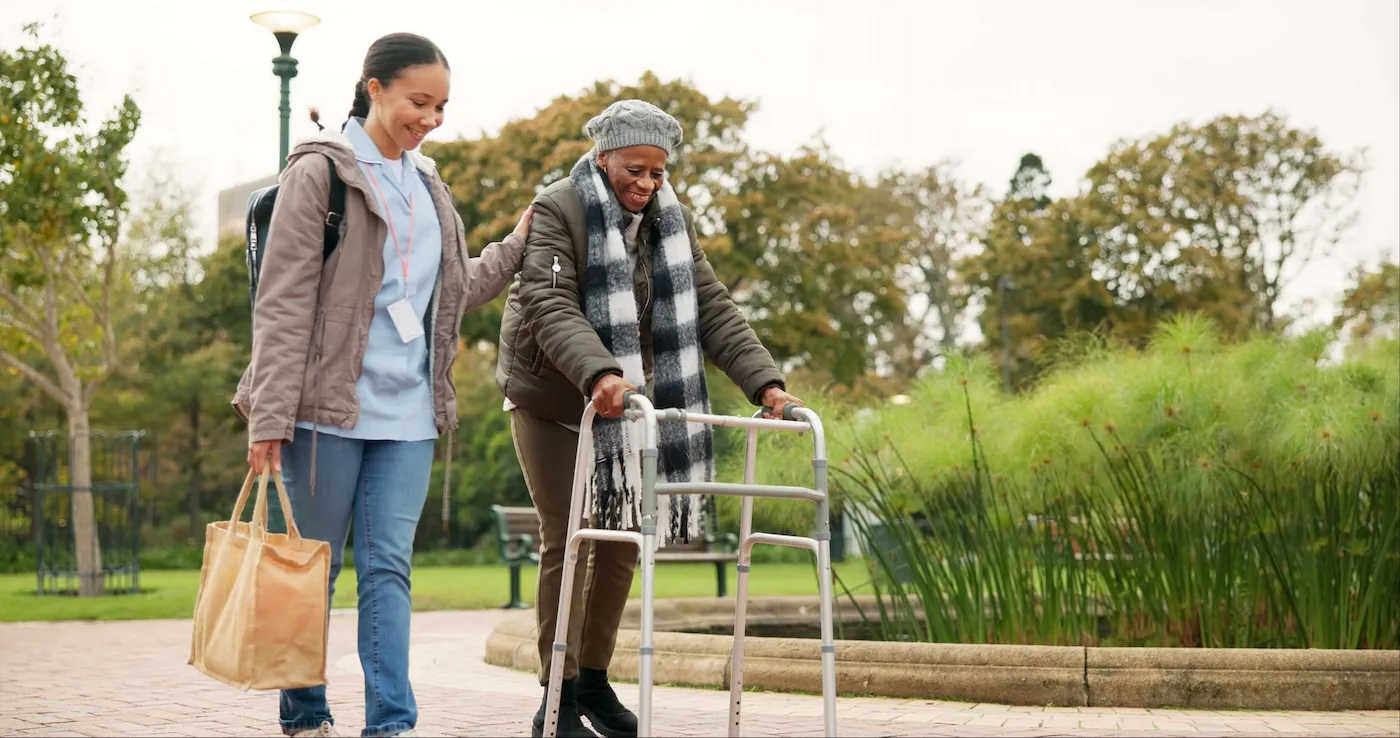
[(615, 294)]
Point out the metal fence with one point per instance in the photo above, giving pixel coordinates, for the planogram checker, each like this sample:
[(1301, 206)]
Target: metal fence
[(48, 500)]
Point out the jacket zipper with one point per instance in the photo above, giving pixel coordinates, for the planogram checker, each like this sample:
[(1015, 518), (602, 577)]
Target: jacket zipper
[(435, 308)]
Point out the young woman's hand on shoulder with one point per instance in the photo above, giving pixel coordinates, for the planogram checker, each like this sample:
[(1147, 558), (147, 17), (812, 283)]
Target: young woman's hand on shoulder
[(522, 229)]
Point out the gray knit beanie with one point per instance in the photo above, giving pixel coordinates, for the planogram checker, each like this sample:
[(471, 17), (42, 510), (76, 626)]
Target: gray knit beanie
[(634, 123)]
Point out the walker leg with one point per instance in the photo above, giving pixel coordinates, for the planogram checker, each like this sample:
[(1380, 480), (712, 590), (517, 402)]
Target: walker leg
[(583, 464), (649, 541), (828, 649), (561, 635), (644, 664), (741, 593)]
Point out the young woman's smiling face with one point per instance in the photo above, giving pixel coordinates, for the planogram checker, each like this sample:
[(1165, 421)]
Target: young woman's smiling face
[(635, 173), (411, 105)]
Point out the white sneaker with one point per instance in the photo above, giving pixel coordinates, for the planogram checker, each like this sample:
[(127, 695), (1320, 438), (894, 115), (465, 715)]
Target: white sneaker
[(324, 731)]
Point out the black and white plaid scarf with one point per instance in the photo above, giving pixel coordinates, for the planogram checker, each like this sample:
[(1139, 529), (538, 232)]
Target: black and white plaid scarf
[(678, 366)]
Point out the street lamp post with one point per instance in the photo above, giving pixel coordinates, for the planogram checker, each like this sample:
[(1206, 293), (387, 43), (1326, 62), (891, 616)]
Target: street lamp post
[(285, 25)]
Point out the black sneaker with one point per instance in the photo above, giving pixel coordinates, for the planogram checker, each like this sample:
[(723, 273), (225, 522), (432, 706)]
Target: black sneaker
[(598, 702), (570, 726)]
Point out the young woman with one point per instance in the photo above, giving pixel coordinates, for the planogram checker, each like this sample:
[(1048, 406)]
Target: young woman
[(351, 381)]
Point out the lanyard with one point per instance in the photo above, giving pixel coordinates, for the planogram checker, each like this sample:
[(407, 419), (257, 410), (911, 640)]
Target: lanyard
[(406, 254)]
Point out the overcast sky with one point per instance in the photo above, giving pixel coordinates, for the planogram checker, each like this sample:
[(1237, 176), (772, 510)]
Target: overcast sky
[(886, 83)]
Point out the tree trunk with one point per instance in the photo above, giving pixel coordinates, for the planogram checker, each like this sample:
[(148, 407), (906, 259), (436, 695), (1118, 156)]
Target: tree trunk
[(948, 322), (941, 303), (196, 468), (1003, 287), (85, 541), (1270, 297)]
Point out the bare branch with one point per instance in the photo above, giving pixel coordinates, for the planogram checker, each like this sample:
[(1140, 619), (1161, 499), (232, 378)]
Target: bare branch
[(100, 314), (28, 316), (109, 340), (90, 391), (50, 295), (25, 327), (77, 286), (48, 386), (52, 337)]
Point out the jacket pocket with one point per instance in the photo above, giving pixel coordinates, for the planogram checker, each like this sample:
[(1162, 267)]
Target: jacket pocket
[(527, 352), (336, 348), (537, 360)]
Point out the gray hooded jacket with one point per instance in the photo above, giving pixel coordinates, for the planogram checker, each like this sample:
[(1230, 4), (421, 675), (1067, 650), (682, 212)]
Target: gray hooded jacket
[(311, 320)]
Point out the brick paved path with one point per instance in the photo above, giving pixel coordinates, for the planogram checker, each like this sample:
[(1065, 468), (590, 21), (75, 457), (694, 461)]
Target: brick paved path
[(131, 679)]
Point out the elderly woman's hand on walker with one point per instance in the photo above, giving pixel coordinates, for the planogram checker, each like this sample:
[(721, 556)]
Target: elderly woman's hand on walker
[(775, 399), (609, 395)]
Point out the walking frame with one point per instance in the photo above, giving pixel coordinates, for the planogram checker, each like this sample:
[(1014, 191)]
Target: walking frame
[(639, 407)]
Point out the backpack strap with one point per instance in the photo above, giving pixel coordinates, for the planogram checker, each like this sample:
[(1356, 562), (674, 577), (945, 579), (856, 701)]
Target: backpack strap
[(335, 214)]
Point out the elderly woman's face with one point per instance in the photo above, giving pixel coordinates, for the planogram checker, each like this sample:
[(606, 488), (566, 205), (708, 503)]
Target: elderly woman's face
[(635, 173)]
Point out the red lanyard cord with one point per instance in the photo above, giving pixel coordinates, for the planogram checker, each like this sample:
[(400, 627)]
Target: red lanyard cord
[(405, 255)]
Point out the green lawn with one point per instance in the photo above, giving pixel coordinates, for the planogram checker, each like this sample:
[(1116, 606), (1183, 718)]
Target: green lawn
[(171, 594)]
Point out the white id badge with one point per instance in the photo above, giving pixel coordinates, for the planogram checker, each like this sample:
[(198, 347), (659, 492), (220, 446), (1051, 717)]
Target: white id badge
[(405, 320)]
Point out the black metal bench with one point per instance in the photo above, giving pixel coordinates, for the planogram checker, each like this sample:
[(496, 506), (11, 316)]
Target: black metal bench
[(517, 529)]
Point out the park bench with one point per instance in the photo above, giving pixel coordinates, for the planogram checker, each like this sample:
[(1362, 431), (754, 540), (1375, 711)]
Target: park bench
[(518, 528)]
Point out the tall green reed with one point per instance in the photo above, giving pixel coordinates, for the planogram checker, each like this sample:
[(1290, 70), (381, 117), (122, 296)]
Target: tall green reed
[(1247, 496)]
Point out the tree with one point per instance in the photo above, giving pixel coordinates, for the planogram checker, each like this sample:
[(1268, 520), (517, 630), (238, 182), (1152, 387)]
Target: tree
[(939, 219), (61, 207), (1213, 219), (485, 470), (1033, 275), (185, 334), (1370, 305), (1031, 182), (808, 254), (1249, 200)]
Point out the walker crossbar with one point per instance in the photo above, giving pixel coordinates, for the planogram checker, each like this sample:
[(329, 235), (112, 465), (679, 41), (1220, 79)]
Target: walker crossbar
[(728, 421), (739, 490), (795, 419), (773, 539)]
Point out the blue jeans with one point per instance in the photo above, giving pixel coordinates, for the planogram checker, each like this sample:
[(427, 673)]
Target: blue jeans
[(381, 486)]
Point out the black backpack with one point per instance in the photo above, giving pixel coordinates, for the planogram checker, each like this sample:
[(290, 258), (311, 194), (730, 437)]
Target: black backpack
[(260, 206)]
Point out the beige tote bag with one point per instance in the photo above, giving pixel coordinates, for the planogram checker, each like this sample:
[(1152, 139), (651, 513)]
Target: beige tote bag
[(260, 619)]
